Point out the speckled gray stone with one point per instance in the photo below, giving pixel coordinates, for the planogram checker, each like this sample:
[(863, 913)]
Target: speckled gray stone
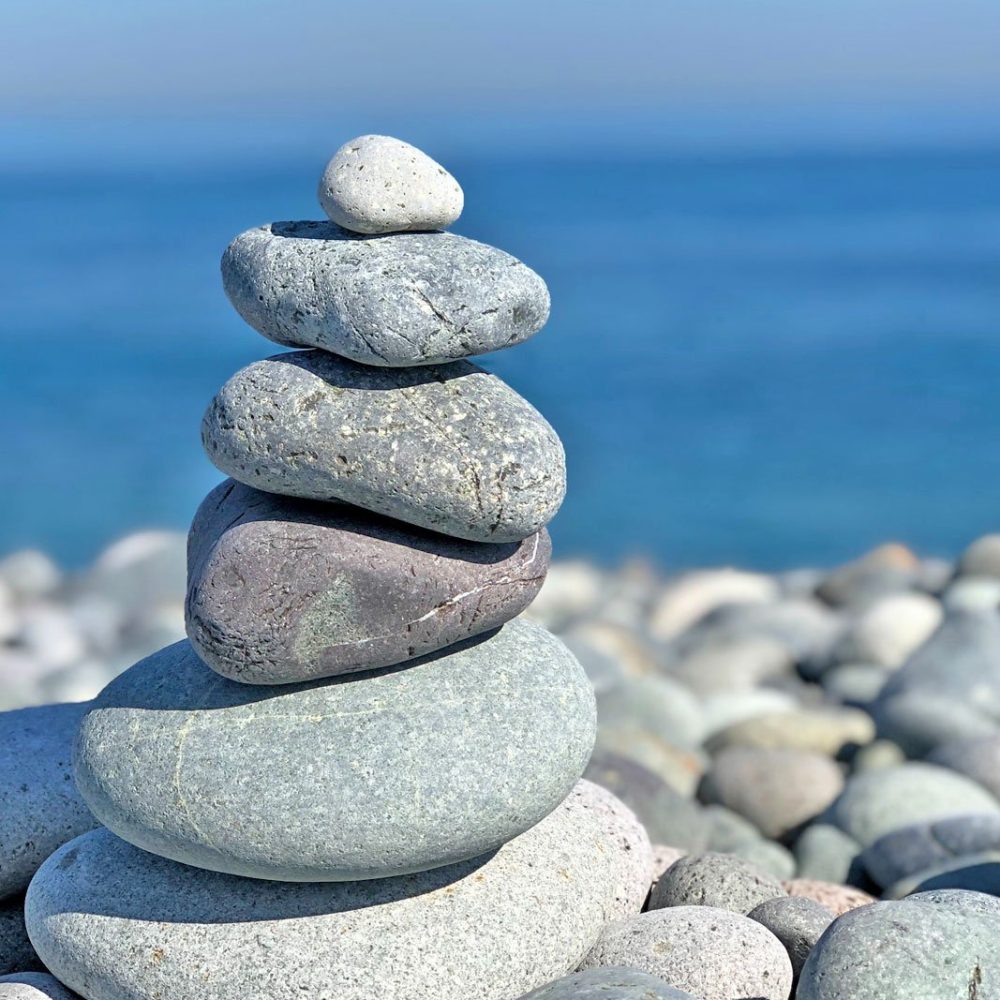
[(373, 775), (33, 986), (905, 950), (493, 927), (798, 923), (608, 984), (39, 804), (411, 299), (875, 802), (283, 590), (449, 448), (16, 953), (718, 880), (912, 849), (378, 184), (669, 817), (712, 954)]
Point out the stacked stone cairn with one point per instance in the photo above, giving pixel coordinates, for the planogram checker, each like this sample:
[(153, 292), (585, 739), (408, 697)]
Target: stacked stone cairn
[(360, 776)]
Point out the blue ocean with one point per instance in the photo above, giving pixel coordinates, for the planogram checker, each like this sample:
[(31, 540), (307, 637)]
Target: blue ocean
[(771, 359)]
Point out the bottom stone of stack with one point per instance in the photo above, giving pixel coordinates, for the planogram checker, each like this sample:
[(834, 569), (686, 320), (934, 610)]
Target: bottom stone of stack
[(113, 922)]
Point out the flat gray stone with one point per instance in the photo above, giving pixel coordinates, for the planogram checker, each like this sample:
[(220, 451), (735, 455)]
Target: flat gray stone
[(798, 923), (378, 184), (410, 299), (40, 808), (374, 775), (903, 950), (608, 984), (493, 927), (912, 849), (712, 954), (16, 953), (717, 880), (450, 448), (283, 590), (875, 802), (33, 986)]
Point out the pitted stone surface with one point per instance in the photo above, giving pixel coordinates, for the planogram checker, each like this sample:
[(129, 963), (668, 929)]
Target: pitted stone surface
[(450, 448), (712, 954), (40, 808), (716, 880), (492, 928), (378, 184), (33, 986), (283, 590), (798, 923), (409, 299), (367, 776)]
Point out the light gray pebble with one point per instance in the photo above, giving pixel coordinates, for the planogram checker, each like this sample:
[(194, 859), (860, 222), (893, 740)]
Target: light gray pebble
[(368, 776), (378, 184), (449, 448), (393, 301), (657, 704), (283, 590), (974, 872), (40, 808), (798, 923), (977, 758), (825, 853), (981, 558), (117, 923), (770, 857), (608, 984), (712, 954), (718, 880), (33, 986)]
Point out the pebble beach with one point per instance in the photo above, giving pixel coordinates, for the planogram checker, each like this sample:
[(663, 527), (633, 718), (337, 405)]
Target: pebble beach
[(355, 735)]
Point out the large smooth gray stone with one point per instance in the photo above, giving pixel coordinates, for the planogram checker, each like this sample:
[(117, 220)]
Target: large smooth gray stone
[(449, 448), (117, 923), (33, 986), (283, 590), (16, 953), (904, 950), (608, 984), (378, 184), (396, 301), (712, 954), (374, 775), (40, 808)]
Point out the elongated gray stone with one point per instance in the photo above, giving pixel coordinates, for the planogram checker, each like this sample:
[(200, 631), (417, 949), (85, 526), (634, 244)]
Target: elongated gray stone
[(116, 923), (409, 299), (378, 184), (449, 448), (283, 590), (40, 808), (368, 776)]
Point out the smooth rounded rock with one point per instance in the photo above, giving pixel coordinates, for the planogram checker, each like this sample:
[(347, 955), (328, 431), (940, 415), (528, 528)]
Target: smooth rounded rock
[(16, 953), (657, 704), (826, 853), (819, 730), (282, 590), (981, 558), (919, 721), (903, 950), (374, 775), (769, 857), (33, 986), (875, 802), (798, 923), (890, 629), (838, 899), (394, 301), (689, 598), (680, 769), (719, 880), (448, 448), (712, 954), (776, 790), (977, 758), (378, 184), (493, 927), (608, 984), (40, 808)]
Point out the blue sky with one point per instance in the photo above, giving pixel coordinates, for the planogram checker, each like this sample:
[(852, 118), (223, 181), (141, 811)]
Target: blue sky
[(679, 70)]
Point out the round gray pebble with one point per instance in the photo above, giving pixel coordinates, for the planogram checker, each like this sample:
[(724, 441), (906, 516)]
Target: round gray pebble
[(33, 986), (712, 954), (282, 590), (378, 184), (717, 880), (608, 984), (798, 923), (367, 776), (117, 923), (449, 448), (393, 301)]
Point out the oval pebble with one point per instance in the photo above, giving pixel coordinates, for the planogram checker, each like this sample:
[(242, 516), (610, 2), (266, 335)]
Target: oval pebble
[(608, 984), (33, 986)]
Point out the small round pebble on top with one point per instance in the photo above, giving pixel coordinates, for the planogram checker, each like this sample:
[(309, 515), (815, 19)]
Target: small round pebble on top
[(377, 184)]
